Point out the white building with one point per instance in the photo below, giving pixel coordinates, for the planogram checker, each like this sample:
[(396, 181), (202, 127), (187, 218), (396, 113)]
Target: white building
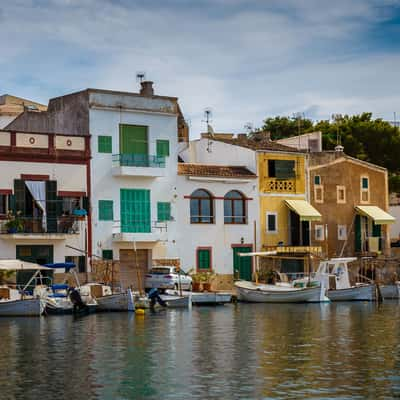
[(43, 192)]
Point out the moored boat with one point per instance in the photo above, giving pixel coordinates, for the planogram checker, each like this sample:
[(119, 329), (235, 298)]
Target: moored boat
[(264, 293), (32, 307)]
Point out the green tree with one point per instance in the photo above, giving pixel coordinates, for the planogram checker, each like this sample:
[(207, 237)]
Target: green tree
[(283, 127)]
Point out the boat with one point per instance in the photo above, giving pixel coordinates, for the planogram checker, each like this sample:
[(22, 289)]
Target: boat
[(205, 298), (176, 301), (389, 291), (264, 293), (335, 275), (18, 303), (58, 297)]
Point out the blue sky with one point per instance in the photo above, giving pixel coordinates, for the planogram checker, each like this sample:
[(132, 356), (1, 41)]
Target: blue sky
[(245, 59)]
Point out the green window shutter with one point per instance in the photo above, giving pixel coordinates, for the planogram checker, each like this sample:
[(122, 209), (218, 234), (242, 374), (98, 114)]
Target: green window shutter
[(85, 204), (133, 139), (163, 211), (106, 212), (284, 169), (104, 144), (317, 180), (107, 254), (135, 210), (365, 183), (357, 231), (19, 193), (162, 148), (11, 203), (204, 259), (52, 206)]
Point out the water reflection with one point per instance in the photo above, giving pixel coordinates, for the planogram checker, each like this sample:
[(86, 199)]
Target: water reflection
[(247, 351)]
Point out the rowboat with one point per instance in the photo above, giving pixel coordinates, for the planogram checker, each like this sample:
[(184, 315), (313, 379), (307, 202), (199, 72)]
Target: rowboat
[(264, 293), (32, 307)]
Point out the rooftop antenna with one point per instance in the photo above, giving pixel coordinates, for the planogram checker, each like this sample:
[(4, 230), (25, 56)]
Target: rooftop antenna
[(298, 116), (210, 131), (248, 127), (140, 76), (337, 118)]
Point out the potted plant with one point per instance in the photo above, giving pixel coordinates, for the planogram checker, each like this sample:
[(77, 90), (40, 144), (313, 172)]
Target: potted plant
[(196, 280), (15, 223), (206, 279)]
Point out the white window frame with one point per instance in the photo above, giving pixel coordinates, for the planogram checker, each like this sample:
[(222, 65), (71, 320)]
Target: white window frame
[(267, 214), (362, 190), (343, 236), (319, 228), (338, 189), (316, 199)]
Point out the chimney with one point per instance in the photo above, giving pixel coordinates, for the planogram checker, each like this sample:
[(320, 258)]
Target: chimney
[(147, 89), (339, 151)]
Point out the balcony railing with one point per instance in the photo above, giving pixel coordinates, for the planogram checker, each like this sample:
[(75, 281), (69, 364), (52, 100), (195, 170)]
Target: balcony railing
[(280, 185), (36, 226), (138, 160)]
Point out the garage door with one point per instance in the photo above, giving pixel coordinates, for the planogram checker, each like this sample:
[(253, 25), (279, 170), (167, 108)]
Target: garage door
[(133, 268)]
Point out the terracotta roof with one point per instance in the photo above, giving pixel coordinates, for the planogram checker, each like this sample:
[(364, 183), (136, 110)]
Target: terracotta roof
[(252, 144), (227, 171)]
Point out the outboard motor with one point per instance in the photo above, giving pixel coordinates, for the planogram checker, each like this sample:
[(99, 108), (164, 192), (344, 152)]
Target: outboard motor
[(154, 297), (76, 299)]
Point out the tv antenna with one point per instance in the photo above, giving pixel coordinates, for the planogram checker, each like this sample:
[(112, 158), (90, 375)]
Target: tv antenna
[(337, 118), (140, 76), (210, 132), (248, 126)]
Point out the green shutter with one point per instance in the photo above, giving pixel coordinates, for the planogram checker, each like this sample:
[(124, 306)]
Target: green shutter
[(135, 210), (284, 169), (163, 211), (357, 230), (317, 180), (365, 183), (85, 204), (106, 212), (107, 254), (11, 203), (133, 139), (104, 144), (162, 148), (51, 206), (204, 259)]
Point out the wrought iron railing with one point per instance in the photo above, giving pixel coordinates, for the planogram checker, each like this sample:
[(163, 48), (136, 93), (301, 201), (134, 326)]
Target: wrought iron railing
[(138, 160)]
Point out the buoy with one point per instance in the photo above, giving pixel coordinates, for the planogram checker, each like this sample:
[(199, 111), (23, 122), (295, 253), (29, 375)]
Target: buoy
[(139, 311)]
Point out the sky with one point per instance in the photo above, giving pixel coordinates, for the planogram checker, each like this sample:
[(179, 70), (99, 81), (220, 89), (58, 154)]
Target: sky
[(246, 60)]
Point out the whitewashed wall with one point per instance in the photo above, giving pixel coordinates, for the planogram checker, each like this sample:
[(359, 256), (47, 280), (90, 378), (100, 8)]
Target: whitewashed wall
[(105, 186), (218, 235)]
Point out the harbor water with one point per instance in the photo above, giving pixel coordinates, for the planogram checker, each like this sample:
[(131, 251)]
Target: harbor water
[(243, 351)]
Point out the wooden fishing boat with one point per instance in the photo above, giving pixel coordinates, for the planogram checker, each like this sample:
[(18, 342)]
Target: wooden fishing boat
[(32, 307), (262, 293)]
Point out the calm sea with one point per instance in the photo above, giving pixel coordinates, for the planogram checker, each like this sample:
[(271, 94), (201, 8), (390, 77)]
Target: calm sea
[(244, 351)]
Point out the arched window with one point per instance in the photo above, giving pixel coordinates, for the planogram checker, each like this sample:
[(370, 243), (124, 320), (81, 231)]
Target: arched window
[(234, 208), (201, 207)]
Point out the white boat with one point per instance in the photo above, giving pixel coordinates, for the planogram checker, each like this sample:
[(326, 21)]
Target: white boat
[(335, 275), (16, 303), (209, 298), (263, 293), (175, 301)]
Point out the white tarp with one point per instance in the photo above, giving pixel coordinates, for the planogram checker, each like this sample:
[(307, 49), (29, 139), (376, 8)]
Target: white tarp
[(38, 192), (18, 265)]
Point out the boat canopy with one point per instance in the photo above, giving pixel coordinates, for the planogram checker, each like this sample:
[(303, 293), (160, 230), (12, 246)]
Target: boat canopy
[(67, 266), (19, 265), (258, 253), (379, 216), (304, 209)]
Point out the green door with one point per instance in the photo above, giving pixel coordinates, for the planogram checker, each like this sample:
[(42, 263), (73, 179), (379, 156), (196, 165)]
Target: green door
[(36, 254), (133, 139), (135, 210), (242, 266), (357, 230)]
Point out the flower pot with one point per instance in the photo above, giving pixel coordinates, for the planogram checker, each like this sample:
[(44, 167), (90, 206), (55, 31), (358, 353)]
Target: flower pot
[(196, 286), (12, 230), (206, 287)]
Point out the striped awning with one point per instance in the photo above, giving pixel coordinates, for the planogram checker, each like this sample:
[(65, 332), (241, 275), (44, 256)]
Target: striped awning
[(379, 216), (304, 209)]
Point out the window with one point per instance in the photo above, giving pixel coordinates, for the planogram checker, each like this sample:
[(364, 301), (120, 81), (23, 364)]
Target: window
[(364, 195), (204, 258), (317, 180), (104, 144), (201, 207), (281, 169), (272, 223), (234, 208), (163, 211), (162, 148), (319, 194), (133, 139), (107, 254), (341, 194), (106, 210), (69, 204), (319, 232), (342, 232), (3, 203)]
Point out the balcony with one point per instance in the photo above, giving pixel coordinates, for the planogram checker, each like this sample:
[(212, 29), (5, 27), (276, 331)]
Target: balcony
[(149, 233), (316, 250), (29, 228), (274, 185), (138, 165)]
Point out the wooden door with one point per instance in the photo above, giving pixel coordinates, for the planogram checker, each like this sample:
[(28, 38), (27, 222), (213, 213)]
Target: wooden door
[(133, 268)]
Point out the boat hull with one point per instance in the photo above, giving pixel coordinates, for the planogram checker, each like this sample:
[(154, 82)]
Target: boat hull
[(268, 294), (22, 308), (210, 298), (355, 293), (389, 291), (113, 302), (176, 301)]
